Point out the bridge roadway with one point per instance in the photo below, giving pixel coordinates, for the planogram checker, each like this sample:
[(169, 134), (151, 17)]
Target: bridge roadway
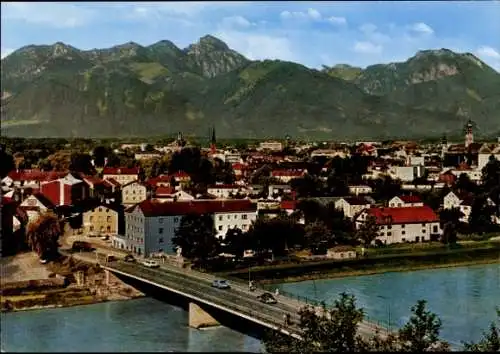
[(238, 300)]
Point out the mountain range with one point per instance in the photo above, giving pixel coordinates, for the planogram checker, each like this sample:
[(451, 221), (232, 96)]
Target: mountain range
[(134, 90)]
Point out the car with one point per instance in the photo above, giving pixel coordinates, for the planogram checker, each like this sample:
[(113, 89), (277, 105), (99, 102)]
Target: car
[(129, 258), (221, 284), (151, 264), (82, 246), (110, 258), (267, 298), (105, 238)]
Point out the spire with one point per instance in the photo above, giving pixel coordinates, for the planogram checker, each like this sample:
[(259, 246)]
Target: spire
[(213, 141)]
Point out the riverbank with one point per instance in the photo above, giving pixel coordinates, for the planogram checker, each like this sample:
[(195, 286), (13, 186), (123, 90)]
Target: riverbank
[(294, 272), (69, 283)]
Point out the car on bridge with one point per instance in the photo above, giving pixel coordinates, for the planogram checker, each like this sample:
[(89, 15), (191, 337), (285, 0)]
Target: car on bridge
[(129, 258), (150, 263), (221, 284), (267, 298), (82, 246)]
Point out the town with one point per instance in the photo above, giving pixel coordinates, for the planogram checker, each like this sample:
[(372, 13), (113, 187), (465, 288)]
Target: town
[(273, 199)]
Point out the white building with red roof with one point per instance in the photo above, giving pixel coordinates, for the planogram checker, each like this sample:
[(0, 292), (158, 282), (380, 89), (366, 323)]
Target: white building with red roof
[(65, 191), (286, 176), (150, 226), (122, 175), (405, 201), (352, 206), (225, 191), (405, 224)]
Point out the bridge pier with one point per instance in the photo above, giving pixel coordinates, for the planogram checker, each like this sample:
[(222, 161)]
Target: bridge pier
[(199, 318)]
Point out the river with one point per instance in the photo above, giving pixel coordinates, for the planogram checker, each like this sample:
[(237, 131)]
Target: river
[(464, 298)]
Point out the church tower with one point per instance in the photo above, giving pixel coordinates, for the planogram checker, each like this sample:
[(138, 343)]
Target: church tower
[(213, 141), (469, 136), (444, 146)]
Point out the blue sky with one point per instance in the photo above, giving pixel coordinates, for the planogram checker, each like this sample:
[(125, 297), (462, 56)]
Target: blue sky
[(311, 33)]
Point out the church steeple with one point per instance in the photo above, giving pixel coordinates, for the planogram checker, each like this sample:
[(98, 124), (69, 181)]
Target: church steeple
[(213, 141)]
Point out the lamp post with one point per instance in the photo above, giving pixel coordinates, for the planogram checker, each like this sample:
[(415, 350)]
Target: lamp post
[(388, 309)]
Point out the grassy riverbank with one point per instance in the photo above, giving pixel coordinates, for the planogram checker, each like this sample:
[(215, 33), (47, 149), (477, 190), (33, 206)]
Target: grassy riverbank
[(381, 262)]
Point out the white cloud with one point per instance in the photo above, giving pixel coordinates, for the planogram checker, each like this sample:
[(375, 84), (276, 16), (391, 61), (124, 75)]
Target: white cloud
[(258, 46), (423, 28), (368, 28), (367, 48), (337, 20), (311, 14), (489, 52), (6, 51), (58, 15), (236, 21), (314, 14)]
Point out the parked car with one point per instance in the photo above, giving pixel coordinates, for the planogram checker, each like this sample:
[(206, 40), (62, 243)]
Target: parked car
[(129, 258), (110, 258), (267, 298), (150, 263), (105, 238), (82, 246), (221, 284)]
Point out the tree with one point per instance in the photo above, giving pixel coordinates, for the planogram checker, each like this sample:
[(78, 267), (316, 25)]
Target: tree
[(60, 161), (449, 220), (368, 231), (421, 332), (490, 341), (480, 218), (6, 162), (333, 330), (43, 235), (275, 234), (196, 237), (100, 153), (236, 241), (316, 233), (465, 184), (80, 162)]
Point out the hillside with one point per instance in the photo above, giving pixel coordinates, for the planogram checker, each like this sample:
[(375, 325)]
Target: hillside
[(132, 90)]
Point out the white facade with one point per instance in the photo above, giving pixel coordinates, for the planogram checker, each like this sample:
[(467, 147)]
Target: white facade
[(224, 191), (133, 193), (451, 200), (271, 145), (416, 160), (473, 174), (350, 210), (135, 231), (407, 173), (226, 221), (356, 190), (397, 202), (121, 178), (33, 207)]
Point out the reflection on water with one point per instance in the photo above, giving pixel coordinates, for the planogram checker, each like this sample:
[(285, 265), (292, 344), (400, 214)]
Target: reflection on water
[(464, 297), (125, 326)]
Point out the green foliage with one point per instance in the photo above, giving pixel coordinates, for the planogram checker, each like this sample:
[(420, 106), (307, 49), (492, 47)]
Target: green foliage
[(490, 341), (196, 237), (368, 231)]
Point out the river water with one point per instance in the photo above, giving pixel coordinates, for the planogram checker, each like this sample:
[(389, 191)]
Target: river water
[(464, 298)]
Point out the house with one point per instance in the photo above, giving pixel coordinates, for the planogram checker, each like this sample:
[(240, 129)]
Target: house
[(286, 176), (360, 189), (352, 205), (447, 177), (35, 205), (101, 219), (99, 188), (30, 177), (65, 191), (485, 152), (133, 192), (406, 224), (407, 173), (150, 226), (461, 201), (271, 146), (276, 189), (240, 170), (289, 207), (405, 201), (160, 181), (147, 155), (181, 177), (341, 252), (225, 191), (122, 175), (169, 194)]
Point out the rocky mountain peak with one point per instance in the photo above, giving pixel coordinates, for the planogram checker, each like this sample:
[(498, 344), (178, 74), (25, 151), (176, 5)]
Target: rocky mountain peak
[(212, 43)]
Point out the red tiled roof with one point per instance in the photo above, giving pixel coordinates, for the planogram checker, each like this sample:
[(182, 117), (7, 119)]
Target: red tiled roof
[(155, 180), (239, 166), (288, 204), (286, 173), (93, 180), (411, 199), (150, 208), (44, 200), (408, 215), (181, 174), (120, 171), (224, 186), (112, 182), (164, 191), (35, 175)]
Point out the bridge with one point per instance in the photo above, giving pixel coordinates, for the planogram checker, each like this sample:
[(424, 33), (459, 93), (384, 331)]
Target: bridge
[(205, 301)]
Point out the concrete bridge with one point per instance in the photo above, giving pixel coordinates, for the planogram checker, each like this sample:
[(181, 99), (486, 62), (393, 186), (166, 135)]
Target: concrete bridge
[(207, 304)]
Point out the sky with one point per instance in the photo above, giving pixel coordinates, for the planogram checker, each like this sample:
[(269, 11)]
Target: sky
[(310, 33)]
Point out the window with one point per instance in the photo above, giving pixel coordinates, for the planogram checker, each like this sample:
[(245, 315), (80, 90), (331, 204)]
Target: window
[(160, 240), (403, 232), (91, 228), (423, 238), (108, 228), (417, 239), (100, 209), (229, 217), (220, 227), (108, 219), (236, 216), (107, 210), (423, 231), (160, 220), (244, 216), (435, 229), (389, 234), (160, 230), (91, 218), (176, 219), (399, 205), (220, 217), (389, 227), (403, 226), (423, 224), (403, 239)]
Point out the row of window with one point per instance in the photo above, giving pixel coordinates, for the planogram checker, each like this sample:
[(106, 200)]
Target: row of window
[(243, 217), (99, 218), (243, 227)]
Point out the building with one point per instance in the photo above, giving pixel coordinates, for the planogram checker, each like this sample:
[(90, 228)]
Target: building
[(225, 191), (271, 145), (286, 176), (169, 194), (406, 201), (150, 226), (360, 189), (65, 191), (352, 205), (406, 224), (35, 205), (461, 201), (341, 252), (134, 192), (147, 155), (485, 153), (407, 173), (100, 220), (30, 178), (122, 175)]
